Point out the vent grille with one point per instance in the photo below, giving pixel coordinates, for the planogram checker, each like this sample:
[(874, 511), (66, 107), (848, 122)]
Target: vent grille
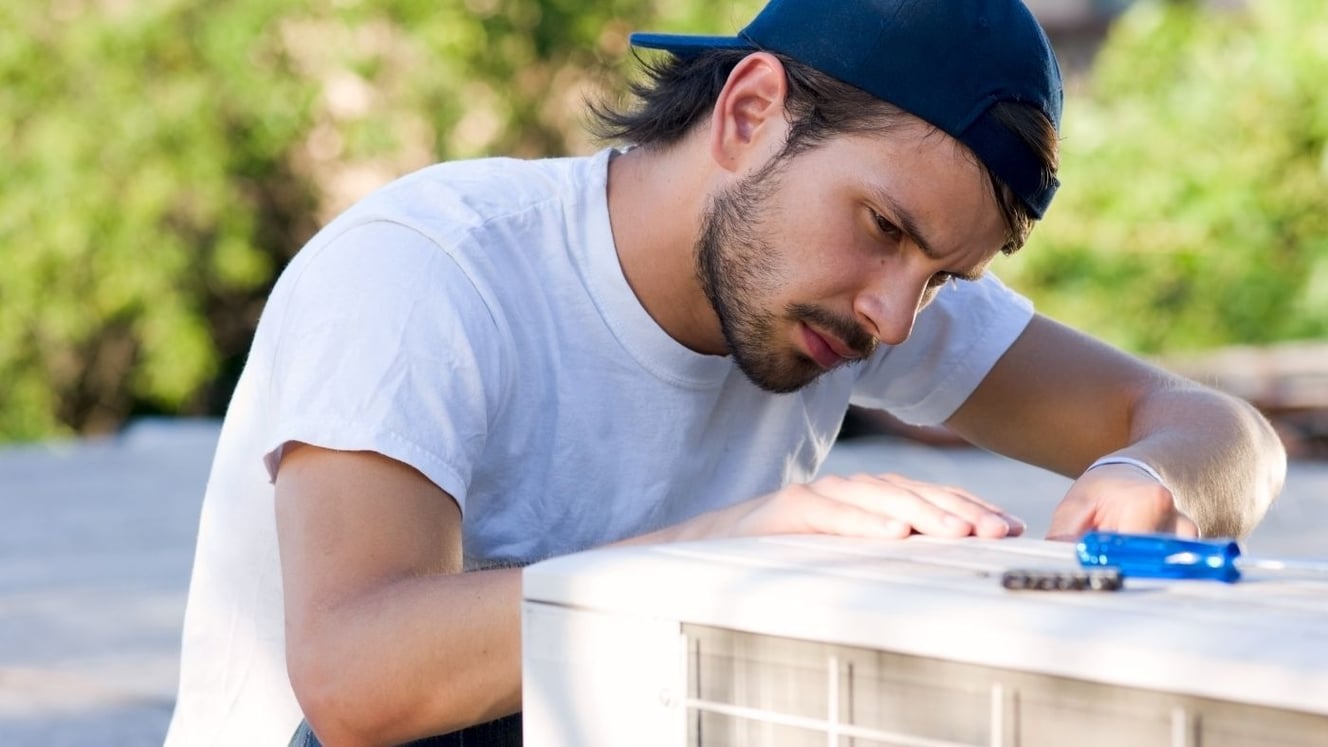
[(748, 690)]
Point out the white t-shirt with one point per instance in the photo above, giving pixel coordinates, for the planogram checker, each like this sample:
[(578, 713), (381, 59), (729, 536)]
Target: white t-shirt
[(472, 320)]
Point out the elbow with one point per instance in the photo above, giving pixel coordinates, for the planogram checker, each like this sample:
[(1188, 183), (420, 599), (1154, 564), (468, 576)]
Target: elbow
[(1271, 455), (1268, 456), (1275, 457), (348, 696), (333, 700)]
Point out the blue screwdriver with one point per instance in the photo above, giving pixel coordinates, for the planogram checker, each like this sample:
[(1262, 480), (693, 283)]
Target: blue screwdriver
[(1168, 556)]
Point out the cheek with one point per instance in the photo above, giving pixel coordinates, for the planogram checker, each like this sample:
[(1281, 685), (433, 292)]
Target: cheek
[(822, 251), (824, 272)]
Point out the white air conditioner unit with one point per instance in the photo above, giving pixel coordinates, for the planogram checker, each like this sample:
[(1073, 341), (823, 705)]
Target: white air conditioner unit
[(822, 641)]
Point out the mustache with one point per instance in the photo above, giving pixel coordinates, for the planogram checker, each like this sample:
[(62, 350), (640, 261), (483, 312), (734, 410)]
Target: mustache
[(850, 332)]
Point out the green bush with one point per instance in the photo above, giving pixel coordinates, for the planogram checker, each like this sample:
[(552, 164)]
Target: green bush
[(145, 195), (1194, 211), (160, 161)]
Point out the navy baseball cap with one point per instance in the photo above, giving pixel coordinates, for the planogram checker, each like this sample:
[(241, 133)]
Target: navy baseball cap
[(944, 61)]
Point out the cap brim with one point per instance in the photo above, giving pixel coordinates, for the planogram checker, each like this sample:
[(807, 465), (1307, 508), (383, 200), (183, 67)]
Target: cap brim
[(686, 44)]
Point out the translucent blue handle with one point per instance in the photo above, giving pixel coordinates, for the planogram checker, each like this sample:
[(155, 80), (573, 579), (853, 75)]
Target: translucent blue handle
[(1160, 556)]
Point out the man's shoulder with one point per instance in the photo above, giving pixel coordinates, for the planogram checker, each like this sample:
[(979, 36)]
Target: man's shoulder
[(491, 230), (473, 192), (497, 171)]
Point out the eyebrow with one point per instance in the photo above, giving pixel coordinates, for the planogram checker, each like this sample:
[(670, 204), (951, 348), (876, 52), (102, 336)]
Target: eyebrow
[(909, 225)]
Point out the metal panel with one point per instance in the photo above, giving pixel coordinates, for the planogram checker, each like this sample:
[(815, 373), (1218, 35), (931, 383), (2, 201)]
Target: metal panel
[(594, 679), (757, 690)]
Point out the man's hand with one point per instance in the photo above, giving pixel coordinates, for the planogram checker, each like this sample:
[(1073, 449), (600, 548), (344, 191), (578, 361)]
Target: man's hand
[(882, 506), (1118, 498), (1059, 399)]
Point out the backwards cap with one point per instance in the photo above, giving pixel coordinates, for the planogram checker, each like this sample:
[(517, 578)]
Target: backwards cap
[(944, 61)]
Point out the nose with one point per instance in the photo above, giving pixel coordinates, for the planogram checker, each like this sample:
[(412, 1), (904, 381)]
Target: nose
[(889, 307)]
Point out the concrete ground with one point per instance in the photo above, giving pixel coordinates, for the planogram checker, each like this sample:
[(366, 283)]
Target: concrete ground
[(97, 537)]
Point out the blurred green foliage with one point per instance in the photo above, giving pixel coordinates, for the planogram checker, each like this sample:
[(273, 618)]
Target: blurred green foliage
[(160, 160), (1194, 211)]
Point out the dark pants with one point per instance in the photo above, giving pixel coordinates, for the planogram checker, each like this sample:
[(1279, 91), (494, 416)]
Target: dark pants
[(505, 732)]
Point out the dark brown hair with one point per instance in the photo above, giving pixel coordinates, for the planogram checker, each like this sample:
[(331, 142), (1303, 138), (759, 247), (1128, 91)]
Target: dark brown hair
[(679, 92)]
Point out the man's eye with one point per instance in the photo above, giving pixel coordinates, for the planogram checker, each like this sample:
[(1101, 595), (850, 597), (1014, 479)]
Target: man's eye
[(886, 228)]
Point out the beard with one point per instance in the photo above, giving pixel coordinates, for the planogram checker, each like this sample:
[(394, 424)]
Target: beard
[(737, 267)]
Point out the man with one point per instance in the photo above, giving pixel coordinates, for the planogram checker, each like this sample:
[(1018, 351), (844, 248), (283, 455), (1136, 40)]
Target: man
[(489, 363)]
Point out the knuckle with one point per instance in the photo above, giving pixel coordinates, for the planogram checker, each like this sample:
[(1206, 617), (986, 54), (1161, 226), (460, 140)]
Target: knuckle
[(835, 481), (795, 494)]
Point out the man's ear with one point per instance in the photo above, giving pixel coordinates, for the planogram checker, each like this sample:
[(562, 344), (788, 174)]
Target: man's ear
[(748, 125)]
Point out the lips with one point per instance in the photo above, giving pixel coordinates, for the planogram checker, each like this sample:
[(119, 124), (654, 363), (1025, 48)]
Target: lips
[(825, 349)]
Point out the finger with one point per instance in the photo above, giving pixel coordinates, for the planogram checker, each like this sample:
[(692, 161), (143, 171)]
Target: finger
[(896, 500), (824, 515), (987, 519), (1185, 527), (1070, 520), (971, 497), (799, 509)]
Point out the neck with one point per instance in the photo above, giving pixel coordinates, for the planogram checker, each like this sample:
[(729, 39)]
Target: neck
[(656, 199)]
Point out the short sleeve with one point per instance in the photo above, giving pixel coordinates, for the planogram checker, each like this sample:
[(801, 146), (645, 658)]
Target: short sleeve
[(383, 344), (955, 343)]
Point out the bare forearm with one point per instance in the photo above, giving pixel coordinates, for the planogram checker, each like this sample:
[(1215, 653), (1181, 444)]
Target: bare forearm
[(419, 656), (1220, 457)]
